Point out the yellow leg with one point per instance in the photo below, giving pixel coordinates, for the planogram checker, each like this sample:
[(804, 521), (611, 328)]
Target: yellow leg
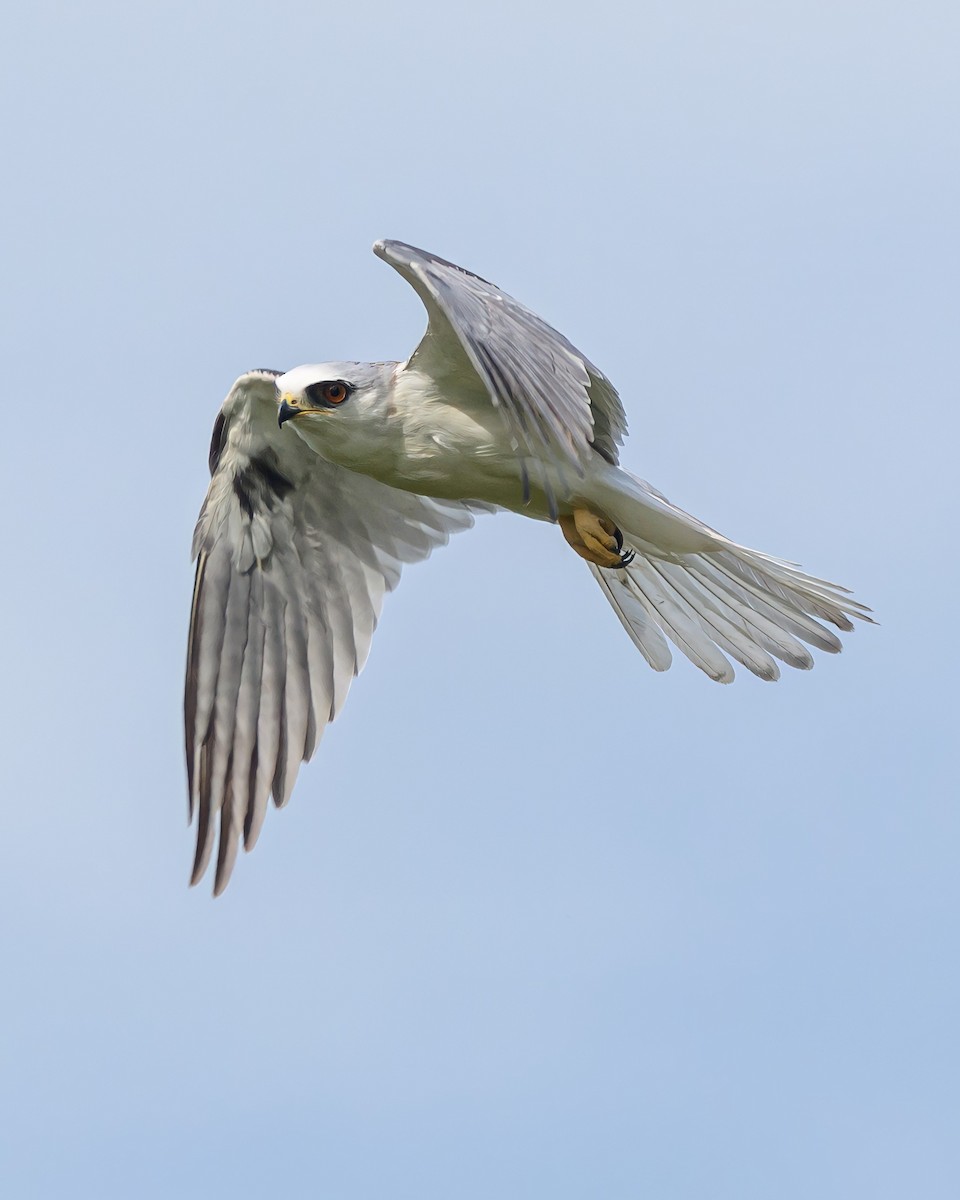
[(594, 538)]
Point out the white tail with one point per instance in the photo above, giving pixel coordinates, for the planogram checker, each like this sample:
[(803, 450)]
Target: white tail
[(709, 596)]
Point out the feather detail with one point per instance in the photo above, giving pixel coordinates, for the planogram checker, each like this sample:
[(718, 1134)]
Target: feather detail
[(635, 618), (688, 635)]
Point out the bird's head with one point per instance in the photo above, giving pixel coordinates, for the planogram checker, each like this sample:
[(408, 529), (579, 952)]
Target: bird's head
[(341, 392), (338, 409)]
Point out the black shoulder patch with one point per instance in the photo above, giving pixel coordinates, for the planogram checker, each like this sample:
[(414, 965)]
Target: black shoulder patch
[(217, 442), (241, 488), (271, 478), (260, 485)]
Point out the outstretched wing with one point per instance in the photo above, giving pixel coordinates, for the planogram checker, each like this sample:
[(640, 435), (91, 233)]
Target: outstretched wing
[(294, 556), (558, 406)]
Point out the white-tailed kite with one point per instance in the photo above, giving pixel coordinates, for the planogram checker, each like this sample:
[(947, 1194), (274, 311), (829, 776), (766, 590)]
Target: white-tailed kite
[(327, 479)]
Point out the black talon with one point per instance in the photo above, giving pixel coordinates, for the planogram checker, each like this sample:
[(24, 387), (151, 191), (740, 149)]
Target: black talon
[(625, 559)]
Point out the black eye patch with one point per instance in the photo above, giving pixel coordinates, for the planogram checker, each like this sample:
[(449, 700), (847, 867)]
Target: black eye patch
[(330, 393)]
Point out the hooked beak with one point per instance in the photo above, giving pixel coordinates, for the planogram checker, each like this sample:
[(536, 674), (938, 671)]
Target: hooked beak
[(287, 410)]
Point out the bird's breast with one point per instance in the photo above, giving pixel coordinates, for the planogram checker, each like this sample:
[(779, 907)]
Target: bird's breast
[(444, 449)]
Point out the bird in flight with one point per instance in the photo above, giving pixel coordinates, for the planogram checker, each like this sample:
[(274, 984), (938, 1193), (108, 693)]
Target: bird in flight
[(328, 478)]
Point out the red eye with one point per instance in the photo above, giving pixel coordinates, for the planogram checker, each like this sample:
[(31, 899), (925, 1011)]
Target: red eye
[(334, 393)]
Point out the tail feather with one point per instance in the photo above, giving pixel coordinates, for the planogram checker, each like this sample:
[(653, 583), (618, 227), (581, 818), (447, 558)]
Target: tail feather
[(798, 591), (722, 623), (753, 622), (730, 601), (709, 596), (689, 633), (765, 605), (634, 617)]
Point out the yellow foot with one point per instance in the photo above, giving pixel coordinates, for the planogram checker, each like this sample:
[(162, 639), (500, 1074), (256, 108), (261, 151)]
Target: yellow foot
[(594, 538)]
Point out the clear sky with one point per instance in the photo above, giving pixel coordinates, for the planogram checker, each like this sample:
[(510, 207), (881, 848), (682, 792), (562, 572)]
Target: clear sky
[(537, 922)]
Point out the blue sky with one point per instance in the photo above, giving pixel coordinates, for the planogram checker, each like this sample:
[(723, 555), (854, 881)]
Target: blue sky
[(537, 921)]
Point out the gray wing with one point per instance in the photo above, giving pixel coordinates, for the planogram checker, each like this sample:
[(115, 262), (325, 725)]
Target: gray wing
[(294, 556), (557, 405)]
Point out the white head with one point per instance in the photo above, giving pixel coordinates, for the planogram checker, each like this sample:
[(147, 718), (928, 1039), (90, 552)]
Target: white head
[(335, 406), (332, 388)]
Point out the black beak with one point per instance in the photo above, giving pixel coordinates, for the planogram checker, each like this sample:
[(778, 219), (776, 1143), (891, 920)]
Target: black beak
[(286, 412)]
